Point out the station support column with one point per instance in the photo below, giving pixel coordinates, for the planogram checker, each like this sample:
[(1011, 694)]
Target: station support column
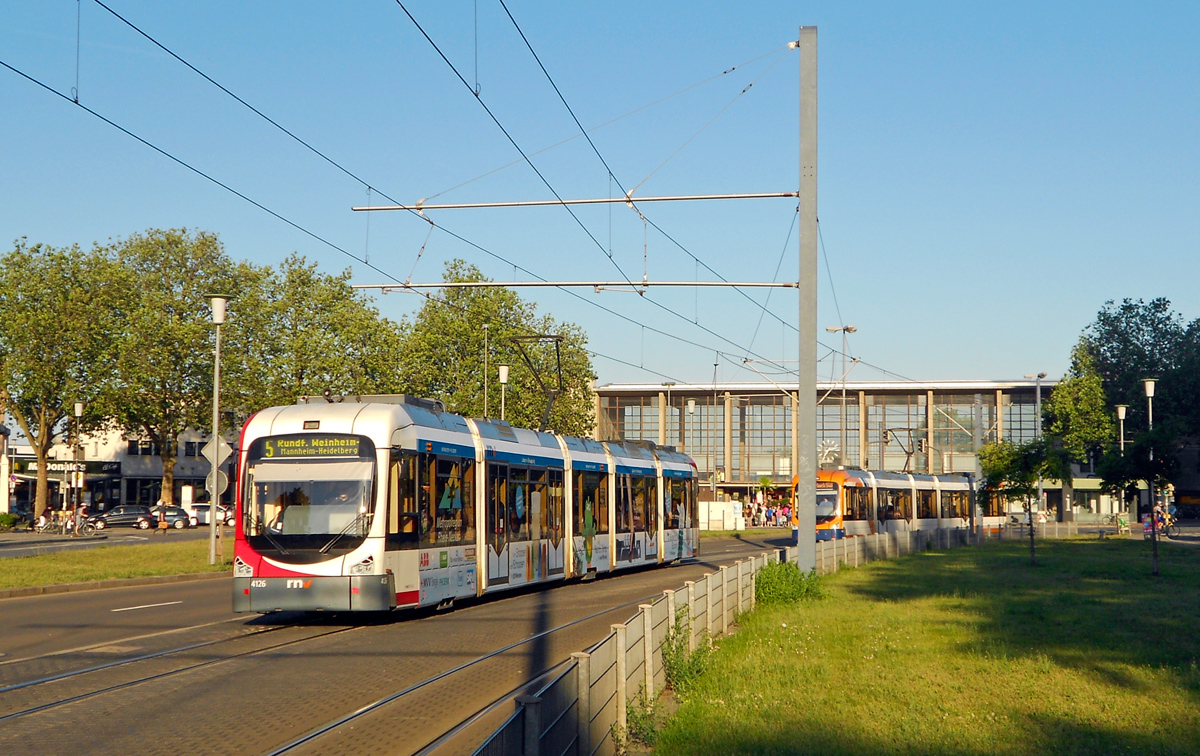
[(806, 470)]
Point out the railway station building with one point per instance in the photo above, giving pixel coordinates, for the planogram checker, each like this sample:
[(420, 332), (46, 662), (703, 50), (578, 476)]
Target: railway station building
[(740, 434)]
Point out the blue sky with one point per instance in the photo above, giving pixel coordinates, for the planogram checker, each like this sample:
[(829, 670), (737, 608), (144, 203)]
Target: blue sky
[(990, 174)]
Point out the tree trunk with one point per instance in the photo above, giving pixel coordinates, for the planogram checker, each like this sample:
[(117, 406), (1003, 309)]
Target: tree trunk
[(168, 454), (42, 495)]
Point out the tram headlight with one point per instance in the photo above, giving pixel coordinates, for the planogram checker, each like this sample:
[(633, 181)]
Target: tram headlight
[(241, 569), (365, 567)]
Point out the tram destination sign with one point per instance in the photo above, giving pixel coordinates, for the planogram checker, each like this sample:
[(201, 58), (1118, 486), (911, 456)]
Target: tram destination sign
[(312, 446)]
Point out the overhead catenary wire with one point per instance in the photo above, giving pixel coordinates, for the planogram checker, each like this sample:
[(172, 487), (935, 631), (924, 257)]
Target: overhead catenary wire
[(365, 259), (361, 181), (278, 216), (612, 176), (580, 223), (610, 121), (513, 141)]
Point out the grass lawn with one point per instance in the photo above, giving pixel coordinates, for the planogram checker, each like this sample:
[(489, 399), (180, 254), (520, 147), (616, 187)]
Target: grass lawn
[(104, 562), (965, 652), (749, 533)]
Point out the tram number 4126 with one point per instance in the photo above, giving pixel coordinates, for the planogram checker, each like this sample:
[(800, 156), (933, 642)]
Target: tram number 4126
[(258, 583)]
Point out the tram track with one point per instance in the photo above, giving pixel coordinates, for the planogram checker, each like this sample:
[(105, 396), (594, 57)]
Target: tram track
[(329, 728), (74, 698)]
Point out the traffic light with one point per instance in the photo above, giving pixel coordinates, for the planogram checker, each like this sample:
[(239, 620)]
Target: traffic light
[(887, 435), (921, 445)]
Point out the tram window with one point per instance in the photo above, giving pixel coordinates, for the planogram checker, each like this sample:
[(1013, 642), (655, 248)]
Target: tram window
[(694, 506), (857, 503), (624, 503), (895, 504), (539, 505), (954, 504), (518, 510), (650, 498), (926, 506), (497, 504), (674, 504), (591, 493), (555, 493), (402, 502), (445, 500)]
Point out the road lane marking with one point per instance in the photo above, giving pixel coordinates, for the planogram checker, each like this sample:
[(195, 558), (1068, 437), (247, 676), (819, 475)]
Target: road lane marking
[(145, 606)]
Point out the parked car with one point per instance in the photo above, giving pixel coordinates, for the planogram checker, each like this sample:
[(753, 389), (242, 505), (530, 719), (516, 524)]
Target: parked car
[(225, 514), (176, 517), (126, 515)]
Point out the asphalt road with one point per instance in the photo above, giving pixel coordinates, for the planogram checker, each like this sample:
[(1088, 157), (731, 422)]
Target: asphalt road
[(246, 685)]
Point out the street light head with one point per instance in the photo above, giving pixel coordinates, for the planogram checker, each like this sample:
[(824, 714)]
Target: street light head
[(1041, 375), (1149, 384), (217, 302), (78, 409), (503, 374), (832, 329), (1121, 409), (691, 406), (851, 329)]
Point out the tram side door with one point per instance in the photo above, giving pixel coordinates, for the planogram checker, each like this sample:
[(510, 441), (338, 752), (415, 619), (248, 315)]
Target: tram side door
[(497, 524)]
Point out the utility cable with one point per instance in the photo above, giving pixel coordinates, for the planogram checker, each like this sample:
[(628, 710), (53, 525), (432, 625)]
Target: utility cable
[(612, 176), (513, 142), (259, 205), (786, 243), (609, 122), (351, 175)]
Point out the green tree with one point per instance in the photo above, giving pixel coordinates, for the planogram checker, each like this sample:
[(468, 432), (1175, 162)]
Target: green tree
[(1011, 471), (300, 332), (443, 348), (1077, 412), (1136, 340), (164, 352), (56, 320)]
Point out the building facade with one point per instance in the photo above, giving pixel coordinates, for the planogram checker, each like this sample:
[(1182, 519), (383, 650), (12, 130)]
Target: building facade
[(739, 434)]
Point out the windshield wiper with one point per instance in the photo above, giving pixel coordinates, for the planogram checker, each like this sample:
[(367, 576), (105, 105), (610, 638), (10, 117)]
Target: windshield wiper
[(346, 530), (263, 530)]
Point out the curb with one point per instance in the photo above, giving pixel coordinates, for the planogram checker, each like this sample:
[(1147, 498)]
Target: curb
[(43, 541), (95, 585)]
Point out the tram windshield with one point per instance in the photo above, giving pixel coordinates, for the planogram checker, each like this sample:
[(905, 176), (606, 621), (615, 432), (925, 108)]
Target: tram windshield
[(308, 510), (827, 501)]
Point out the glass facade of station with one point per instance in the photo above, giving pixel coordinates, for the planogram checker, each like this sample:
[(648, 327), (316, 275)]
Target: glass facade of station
[(742, 433)]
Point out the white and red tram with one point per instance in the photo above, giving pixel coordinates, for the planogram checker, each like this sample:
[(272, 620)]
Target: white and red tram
[(374, 503)]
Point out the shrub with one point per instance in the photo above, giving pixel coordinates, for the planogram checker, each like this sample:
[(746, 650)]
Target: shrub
[(9, 521), (783, 582), (641, 719), (681, 666)]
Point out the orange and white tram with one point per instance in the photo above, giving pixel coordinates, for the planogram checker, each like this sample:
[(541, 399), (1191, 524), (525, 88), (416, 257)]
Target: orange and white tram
[(860, 502), (390, 502)]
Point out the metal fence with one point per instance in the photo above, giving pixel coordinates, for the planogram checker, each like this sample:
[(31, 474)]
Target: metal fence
[(579, 711)]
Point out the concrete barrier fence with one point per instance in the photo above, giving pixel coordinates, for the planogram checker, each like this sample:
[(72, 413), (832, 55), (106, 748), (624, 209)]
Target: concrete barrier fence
[(578, 712)]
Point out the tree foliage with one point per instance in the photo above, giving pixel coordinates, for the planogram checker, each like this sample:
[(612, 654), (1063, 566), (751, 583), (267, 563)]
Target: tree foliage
[(162, 371), (56, 320), (443, 348), (299, 332), (1077, 413)]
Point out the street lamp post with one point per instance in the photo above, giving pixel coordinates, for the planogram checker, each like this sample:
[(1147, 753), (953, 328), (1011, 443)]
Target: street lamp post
[(1038, 412), (1149, 384), (76, 487), (691, 426), (842, 425), (217, 302), (1121, 410), (486, 374), (503, 388)]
